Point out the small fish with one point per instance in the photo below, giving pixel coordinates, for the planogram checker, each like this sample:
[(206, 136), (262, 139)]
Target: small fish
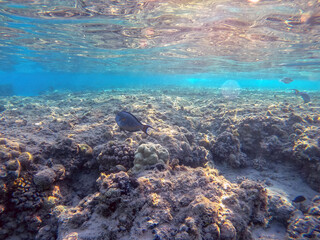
[(299, 199), (286, 80), (126, 121), (305, 96)]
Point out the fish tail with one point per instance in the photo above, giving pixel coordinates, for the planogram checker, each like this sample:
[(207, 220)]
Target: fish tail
[(295, 91), (145, 128)]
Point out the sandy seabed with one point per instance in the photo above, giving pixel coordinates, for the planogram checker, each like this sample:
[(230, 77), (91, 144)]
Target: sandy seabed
[(213, 167)]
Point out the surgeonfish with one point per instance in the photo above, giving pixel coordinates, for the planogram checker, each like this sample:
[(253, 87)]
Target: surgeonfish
[(305, 96), (128, 122)]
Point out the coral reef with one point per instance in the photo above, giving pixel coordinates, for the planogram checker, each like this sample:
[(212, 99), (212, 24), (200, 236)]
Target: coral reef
[(45, 178), (181, 145), (227, 149), (148, 155), (280, 209), (18, 193), (306, 154), (67, 153), (114, 157), (160, 205), (306, 226), (24, 195), (23, 191), (67, 172), (195, 157), (259, 139)]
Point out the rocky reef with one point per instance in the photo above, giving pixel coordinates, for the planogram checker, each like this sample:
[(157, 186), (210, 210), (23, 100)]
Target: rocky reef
[(306, 225), (17, 192), (227, 149), (210, 169), (160, 205)]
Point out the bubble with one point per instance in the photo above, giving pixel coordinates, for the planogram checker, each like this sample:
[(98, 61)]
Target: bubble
[(230, 89)]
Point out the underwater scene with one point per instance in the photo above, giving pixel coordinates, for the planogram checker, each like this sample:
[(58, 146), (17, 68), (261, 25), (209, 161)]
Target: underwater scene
[(159, 119)]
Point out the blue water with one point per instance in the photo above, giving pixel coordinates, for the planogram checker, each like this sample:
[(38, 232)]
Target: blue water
[(33, 84)]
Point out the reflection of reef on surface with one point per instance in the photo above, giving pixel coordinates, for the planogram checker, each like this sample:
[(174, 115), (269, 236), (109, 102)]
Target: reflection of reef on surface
[(240, 31), (69, 171)]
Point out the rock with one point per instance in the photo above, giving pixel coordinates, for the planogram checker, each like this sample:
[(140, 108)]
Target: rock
[(58, 125), (46, 232), (280, 209), (272, 148), (205, 143), (212, 231), (227, 149), (59, 170), (45, 178), (206, 209), (306, 226), (180, 203), (269, 113), (13, 169), (227, 231), (112, 188), (25, 196), (33, 223), (295, 119), (25, 159), (71, 236), (195, 157), (84, 150), (306, 154)]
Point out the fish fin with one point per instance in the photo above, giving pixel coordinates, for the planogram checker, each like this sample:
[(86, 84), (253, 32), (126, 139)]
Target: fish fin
[(145, 128), (133, 116)]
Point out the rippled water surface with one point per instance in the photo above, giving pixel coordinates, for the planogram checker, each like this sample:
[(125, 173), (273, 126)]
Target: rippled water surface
[(266, 37)]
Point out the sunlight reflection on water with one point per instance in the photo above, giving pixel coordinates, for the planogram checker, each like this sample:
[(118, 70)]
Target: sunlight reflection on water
[(181, 36)]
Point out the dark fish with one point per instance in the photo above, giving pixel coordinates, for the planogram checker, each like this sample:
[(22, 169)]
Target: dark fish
[(299, 199), (305, 96), (126, 121), (286, 80)]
